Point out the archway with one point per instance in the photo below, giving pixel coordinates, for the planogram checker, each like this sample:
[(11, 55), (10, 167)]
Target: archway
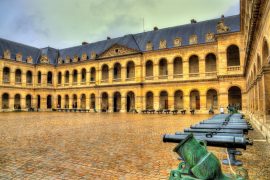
[(233, 56), (178, 67), (116, 102), (6, 75), (117, 71), (130, 70), (67, 77), (92, 101), (17, 101), (83, 74), (105, 73), (130, 101), (66, 101), (178, 100), (28, 101), (211, 99), (163, 69), (5, 101), (29, 77), (163, 100), (49, 77), (104, 102), (149, 69), (195, 100), (265, 52), (75, 76), (83, 101), (49, 102), (59, 101), (39, 77), (38, 101), (210, 64), (235, 97), (18, 76), (194, 66), (149, 100), (59, 78), (93, 75), (74, 101)]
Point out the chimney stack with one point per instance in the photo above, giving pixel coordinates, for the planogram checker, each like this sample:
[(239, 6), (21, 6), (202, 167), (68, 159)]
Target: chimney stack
[(84, 43)]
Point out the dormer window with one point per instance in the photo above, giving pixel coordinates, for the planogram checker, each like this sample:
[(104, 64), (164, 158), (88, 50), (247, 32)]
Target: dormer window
[(67, 59), (76, 58), (60, 60), (44, 59), (19, 57), (93, 55), (209, 37), (7, 54), (177, 42), (193, 39), (84, 56), (162, 44), (149, 46), (29, 59)]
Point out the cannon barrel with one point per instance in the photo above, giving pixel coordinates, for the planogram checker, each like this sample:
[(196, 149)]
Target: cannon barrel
[(216, 141), (245, 128), (232, 131), (210, 134)]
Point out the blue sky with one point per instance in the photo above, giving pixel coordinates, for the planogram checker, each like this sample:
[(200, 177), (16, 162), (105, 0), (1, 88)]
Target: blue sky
[(66, 23)]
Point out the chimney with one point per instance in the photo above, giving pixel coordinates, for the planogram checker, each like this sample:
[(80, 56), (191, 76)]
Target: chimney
[(155, 28), (108, 37), (193, 21), (84, 43)]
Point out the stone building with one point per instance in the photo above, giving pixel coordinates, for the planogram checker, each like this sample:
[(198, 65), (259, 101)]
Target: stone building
[(200, 65)]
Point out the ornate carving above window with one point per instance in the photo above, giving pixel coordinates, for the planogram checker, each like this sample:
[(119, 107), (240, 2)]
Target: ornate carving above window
[(162, 44), (193, 39), (149, 46), (19, 56), (29, 59), (209, 37), (59, 60), (93, 55), (177, 42), (76, 58), (7, 54), (221, 27), (84, 57), (67, 59), (44, 59)]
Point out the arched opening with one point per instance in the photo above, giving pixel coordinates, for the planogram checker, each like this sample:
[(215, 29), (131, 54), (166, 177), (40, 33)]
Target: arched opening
[(93, 74), (211, 99), (59, 101), (195, 100), (163, 69), (28, 101), (235, 97), (178, 67), (149, 70), (117, 72), (105, 73), (67, 77), (17, 101), (178, 100), (49, 78), (210, 65), (49, 102), (38, 101), (18, 76), (75, 76), (259, 64), (149, 100), (130, 101), (83, 101), (74, 101), (83, 75), (39, 77), (59, 78), (92, 101), (265, 53), (29, 77), (6, 75), (233, 56), (104, 102), (163, 100), (66, 101), (5, 101), (130, 70), (116, 102), (194, 66)]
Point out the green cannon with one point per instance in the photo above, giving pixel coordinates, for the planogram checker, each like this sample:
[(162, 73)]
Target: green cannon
[(199, 164)]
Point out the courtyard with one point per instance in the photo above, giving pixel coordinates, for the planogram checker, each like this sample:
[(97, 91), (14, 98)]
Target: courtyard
[(54, 145)]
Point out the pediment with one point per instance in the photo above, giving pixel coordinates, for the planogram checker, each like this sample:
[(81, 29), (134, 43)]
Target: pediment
[(117, 50)]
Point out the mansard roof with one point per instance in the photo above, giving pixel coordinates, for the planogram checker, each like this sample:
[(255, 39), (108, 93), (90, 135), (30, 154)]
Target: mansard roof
[(133, 41)]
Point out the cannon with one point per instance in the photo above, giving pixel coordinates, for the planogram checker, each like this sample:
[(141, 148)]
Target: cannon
[(214, 131), (210, 134), (245, 128), (198, 163)]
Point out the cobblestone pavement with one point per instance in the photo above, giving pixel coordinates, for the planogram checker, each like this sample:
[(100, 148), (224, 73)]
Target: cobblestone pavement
[(53, 145)]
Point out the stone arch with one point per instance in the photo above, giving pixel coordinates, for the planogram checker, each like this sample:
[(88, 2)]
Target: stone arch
[(210, 63), (104, 102), (49, 101), (178, 67), (28, 101), (233, 55), (194, 66), (130, 101), (83, 75), (75, 76), (195, 99), (92, 101), (105, 72), (59, 78), (59, 101), (6, 75), (18, 76), (163, 68), (235, 96), (149, 100), (5, 101), (163, 100), (212, 99), (38, 101), (39, 77), (265, 52), (149, 70), (130, 70), (49, 77), (29, 77), (116, 101), (178, 99), (117, 71), (74, 101), (66, 101), (259, 63), (93, 74), (17, 101), (83, 101), (67, 77)]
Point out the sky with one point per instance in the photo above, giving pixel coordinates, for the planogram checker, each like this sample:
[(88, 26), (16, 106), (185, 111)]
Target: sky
[(66, 23)]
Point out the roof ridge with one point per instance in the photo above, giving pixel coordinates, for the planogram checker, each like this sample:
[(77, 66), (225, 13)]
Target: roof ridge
[(18, 43)]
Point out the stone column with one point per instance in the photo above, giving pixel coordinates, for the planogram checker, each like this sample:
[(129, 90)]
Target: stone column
[(87, 78), (203, 103), (139, 103), (155, 70), (43, 102), (110, 103), (123, 104), (123, 74), (110, 74), (23, 80), (23, 102), (185, 70), (87, 102), (98, 102), (202, 68), (78, 102), (11, 102), (186, 102), (12, 77), (1, 105), (43, 79), (63, 80), (170, 101), (156, 102), (170, 70), (1, 79), (79, 78)]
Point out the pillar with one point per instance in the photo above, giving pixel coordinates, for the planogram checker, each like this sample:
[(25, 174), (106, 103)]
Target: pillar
[(185, 70), (203, 102), (186, 101), (202, 68), (170, 70), (155, 70), (123, 104)]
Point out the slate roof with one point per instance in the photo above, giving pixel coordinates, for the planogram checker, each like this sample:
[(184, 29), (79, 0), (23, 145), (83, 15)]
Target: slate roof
[(134, 41)]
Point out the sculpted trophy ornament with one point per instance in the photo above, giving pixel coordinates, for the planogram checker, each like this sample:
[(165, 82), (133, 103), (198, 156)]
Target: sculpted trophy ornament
[(149, 46), (67, 59), (162, 44), (29, 59), (209, 37), (221, 27), (7, 54), (193, 39), (84, 57), (44, 59), (19, 57), (177, 42)]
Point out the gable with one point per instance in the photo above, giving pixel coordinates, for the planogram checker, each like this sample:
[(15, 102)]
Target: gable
[(117, 50)]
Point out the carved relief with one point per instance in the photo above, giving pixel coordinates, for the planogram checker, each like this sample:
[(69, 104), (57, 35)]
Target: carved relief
[(19, 56), (7, 54), (177, 42), (29, 59), (117, 50), (44, 59), (76, 58), (209, 37), (221, 27), (93, 55), (193, 39), (67, 59), (149, 46), (59, 60), (162, 44), (84, 56)]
